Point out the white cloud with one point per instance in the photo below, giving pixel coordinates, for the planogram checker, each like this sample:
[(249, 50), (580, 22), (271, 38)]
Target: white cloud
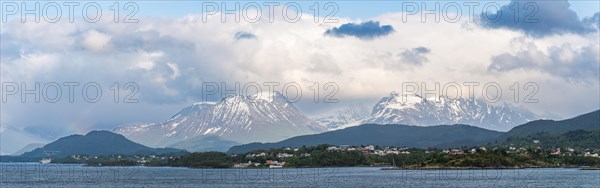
[(146, 60), (175, 70), (96, 41)]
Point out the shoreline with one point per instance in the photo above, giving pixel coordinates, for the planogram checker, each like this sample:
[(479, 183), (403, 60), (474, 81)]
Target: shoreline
[(381, 168), (493, 168)]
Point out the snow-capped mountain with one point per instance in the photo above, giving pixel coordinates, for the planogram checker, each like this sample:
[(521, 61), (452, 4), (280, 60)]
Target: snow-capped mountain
[(345, 117), (411, 109), (262, 117)]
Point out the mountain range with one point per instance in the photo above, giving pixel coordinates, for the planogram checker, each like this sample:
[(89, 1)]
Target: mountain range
[(412, 109), (429, 136), (263, 117), (270, 117)]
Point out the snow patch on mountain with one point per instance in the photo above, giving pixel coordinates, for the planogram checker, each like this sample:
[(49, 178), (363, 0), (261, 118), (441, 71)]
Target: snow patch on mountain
[(412, 109), (344, 117)]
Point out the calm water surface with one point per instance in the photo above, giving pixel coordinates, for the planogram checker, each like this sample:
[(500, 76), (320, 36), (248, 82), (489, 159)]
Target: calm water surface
[(61, 175)]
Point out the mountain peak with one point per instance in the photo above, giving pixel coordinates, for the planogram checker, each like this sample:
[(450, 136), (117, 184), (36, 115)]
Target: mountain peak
[(268, 96), (100, 132), (264, 96), (398, 94), (400, 101)]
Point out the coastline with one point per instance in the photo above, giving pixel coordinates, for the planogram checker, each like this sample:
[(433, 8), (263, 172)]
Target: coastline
[(380, 168)]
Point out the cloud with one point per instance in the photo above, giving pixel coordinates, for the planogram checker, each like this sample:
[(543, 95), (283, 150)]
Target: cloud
[(175, 70), (406, 59), (593, 20), (365, 30), (566, 61), (421, 50), (538, 18), (415, 56), (244, 35), (95, 41)]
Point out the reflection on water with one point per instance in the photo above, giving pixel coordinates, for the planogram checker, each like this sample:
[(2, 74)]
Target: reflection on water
[(63, 175)]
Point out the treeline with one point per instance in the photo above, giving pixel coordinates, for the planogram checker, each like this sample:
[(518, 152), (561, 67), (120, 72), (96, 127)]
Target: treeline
[(500, 158), (574, 139), (319, 156)]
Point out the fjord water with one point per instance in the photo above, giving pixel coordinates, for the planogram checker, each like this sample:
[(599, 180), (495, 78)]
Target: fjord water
[(62, 175)]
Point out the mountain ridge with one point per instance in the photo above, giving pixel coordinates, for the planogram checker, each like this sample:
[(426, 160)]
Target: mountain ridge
[(385, 135), (94, 143), (587, 121)]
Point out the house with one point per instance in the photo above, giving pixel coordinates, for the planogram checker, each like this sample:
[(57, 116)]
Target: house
[(556, 152), (536, 141), (246, 165), (522, 150), (275, 164), (240, 165), (256, 155), (284, 155), (456, 152), (588, 154)]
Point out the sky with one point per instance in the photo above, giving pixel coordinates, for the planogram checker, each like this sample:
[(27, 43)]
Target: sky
[(356, 51)]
